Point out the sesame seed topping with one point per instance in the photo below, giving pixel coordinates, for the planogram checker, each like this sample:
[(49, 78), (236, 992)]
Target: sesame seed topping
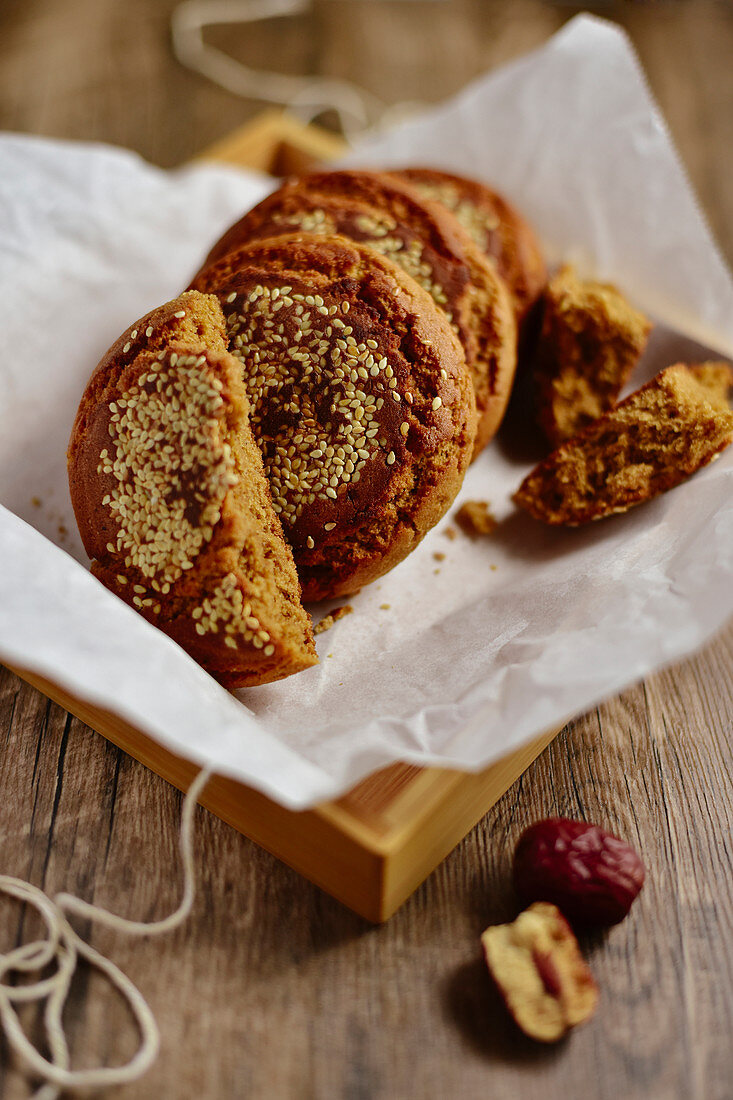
[(436, 403), (404, 427), (289, 357), (159, 436), (328, 526), (149, 330), (180, 313), (126, 348), (391, 458)]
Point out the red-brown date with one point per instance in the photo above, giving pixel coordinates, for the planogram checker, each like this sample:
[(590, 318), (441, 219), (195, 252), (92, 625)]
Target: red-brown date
[(592, 876)]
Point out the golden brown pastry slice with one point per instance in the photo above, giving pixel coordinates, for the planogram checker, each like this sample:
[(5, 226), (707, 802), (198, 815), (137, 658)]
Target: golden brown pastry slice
[(361, 400), (495, 225), (172, 501), (717, 378), (590, 341), (651, 442), (423, 239)]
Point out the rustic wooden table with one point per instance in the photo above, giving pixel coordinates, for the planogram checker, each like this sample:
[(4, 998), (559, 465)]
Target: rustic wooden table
[(272, 989)]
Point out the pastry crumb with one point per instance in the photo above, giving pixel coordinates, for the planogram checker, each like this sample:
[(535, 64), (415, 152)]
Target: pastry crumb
[(475, 518), (439, 557), (333, 617), (450, 533), (36, 502), (435, 572), (493, 568), (385, 606)]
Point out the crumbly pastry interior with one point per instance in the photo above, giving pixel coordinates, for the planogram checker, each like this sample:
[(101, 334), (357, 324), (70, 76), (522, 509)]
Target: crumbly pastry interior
[(173, 505), (361, 401), (649, 443), (716, 377), (590, 341)]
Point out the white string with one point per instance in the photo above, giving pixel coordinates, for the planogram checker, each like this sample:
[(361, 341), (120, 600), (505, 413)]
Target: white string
[(307, 97), (63, 946)]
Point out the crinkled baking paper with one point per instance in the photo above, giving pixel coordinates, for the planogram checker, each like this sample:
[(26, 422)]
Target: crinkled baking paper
[(509, 635)]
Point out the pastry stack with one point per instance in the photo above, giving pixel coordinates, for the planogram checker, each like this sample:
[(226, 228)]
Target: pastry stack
[(291, 426)]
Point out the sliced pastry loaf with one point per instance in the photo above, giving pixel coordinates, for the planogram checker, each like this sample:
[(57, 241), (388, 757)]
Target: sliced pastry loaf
[(655, 439), (173, 504)]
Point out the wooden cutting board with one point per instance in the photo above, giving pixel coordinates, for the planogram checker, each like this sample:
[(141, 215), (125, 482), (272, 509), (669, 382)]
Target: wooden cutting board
[(373, 847)]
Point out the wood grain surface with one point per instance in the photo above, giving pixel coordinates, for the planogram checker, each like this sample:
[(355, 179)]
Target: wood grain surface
[(272, 989)]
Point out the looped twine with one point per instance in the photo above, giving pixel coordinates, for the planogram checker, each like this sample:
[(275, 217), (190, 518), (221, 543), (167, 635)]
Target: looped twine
[(63, 947), (358, 110)]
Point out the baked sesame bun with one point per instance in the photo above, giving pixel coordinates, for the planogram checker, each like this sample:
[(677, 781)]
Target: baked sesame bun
[(172, 501), (422, 238), (494, 224), (361, 401)]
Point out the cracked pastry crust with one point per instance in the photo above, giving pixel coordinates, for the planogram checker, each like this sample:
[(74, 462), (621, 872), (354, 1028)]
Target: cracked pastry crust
[(361, 400), (494, 224), (652, 441), (426, 241), (172, 501)]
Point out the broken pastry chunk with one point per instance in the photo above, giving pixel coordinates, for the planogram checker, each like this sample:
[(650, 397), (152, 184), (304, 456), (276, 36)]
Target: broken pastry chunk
[(539, 971), (591, 338), (655, 439)]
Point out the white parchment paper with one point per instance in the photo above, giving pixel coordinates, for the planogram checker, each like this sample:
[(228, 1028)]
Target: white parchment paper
[(476, 654)]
